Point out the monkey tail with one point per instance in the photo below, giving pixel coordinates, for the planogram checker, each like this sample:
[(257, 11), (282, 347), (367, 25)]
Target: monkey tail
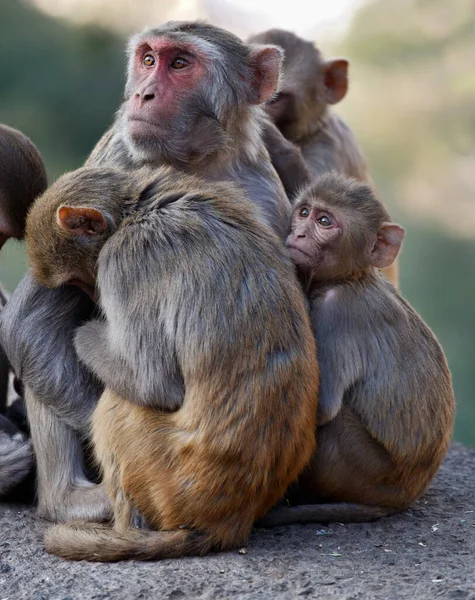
[(101, 543), (338, 512)]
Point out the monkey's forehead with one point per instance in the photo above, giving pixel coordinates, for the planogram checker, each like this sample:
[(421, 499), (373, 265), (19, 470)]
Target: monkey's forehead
[(194, 34)]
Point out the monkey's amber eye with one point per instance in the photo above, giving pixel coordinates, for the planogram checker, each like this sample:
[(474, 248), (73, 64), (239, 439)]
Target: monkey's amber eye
[(179, 63), (325, 221), (148, 60), (304, 212)]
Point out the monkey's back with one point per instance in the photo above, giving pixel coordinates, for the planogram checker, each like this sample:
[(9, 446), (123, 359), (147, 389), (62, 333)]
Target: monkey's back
[(402, 390), (216, 291), (334, 148)]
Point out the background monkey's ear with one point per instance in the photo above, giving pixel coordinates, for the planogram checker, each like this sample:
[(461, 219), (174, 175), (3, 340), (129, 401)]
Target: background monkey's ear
[(388, 243), (81, 220), (266, 64), (335, 79)]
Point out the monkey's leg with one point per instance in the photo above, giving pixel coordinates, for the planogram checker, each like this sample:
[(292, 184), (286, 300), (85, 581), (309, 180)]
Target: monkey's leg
[(349, 479), (64, 493)]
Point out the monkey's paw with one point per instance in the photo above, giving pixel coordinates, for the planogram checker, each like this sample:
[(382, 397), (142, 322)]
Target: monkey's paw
[(16, 460), (84, 502)]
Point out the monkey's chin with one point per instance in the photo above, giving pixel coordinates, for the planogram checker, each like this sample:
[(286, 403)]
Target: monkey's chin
[(299, 257), (142, 129)]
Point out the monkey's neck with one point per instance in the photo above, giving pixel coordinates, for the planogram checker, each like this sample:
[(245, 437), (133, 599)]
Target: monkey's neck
[(315, 287), (302, 130)]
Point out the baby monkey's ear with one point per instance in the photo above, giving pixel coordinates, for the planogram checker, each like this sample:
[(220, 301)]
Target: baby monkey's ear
[(81, 220), (387, 245)]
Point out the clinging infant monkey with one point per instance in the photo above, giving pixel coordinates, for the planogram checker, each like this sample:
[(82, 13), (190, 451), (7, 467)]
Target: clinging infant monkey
[(205, 349), (386, 405)]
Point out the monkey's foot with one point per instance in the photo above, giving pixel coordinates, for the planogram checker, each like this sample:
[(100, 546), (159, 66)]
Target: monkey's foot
[(16, 460), (84, 502)]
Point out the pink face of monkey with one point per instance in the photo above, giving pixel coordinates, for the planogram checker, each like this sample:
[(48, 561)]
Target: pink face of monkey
[(188, 81), (164, 75)]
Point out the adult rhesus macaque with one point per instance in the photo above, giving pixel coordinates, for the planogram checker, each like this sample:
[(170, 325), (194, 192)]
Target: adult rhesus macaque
[(193, 100), (22, 178), (301, 110), (386, 405), (206, 351)]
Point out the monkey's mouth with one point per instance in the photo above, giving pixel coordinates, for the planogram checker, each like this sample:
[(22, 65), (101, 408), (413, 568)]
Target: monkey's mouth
[(142, 124), (291, 247)]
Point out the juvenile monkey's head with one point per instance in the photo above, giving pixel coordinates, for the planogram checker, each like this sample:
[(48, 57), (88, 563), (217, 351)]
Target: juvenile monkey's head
[(68, 225), (339, 228), (310, 83), (22, 179)]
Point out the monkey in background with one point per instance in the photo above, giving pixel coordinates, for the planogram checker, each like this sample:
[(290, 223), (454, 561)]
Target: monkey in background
[(193, 99), (301, 110), (22, 179), (205, 349), (386, 404)]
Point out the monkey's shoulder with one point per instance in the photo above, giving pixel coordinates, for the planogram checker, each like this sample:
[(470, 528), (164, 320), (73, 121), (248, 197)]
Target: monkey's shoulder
[(111, 150), (368, 310), (334, 147)]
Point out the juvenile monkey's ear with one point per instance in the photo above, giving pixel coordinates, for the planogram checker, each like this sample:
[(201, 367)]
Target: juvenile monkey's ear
[(387, 245), (266, 62), (335, 79), (81, 220)]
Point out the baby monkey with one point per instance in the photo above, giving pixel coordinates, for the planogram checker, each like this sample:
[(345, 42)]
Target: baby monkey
[(386, 405), (206, 351)]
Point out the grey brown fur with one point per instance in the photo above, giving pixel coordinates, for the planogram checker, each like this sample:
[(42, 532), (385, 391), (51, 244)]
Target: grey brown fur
[(327, 143), (22, 178), (386, 404), (216, 133), (203, 316)]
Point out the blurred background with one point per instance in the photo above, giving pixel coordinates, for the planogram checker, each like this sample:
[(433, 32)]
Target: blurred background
[(411, 104)]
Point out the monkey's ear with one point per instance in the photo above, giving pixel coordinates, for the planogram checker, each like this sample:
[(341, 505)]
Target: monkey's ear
[(335, 79), (387, 245), (81, 220), (266, 64)]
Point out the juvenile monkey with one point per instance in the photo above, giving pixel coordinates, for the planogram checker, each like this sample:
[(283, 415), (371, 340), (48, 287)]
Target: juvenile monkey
[(386, 405), (301, 110), (205, 330), (193, 99), (22, 178)]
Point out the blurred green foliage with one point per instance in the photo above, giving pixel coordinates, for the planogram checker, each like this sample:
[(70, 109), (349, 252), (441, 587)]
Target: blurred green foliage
[(60, 85), (411, 105)]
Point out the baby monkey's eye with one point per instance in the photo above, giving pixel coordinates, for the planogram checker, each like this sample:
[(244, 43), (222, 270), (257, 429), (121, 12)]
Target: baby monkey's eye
[(325, 221), (148, 60), (304, 212), (179, 63)]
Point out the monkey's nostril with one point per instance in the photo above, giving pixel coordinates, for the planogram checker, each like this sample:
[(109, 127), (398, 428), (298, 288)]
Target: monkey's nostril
[(148, 97)]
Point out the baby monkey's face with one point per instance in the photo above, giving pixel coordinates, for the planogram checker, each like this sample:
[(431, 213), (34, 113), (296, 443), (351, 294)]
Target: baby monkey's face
[(315, 236)]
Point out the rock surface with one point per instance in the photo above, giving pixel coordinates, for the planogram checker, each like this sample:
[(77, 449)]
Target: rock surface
[(427, 552)]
